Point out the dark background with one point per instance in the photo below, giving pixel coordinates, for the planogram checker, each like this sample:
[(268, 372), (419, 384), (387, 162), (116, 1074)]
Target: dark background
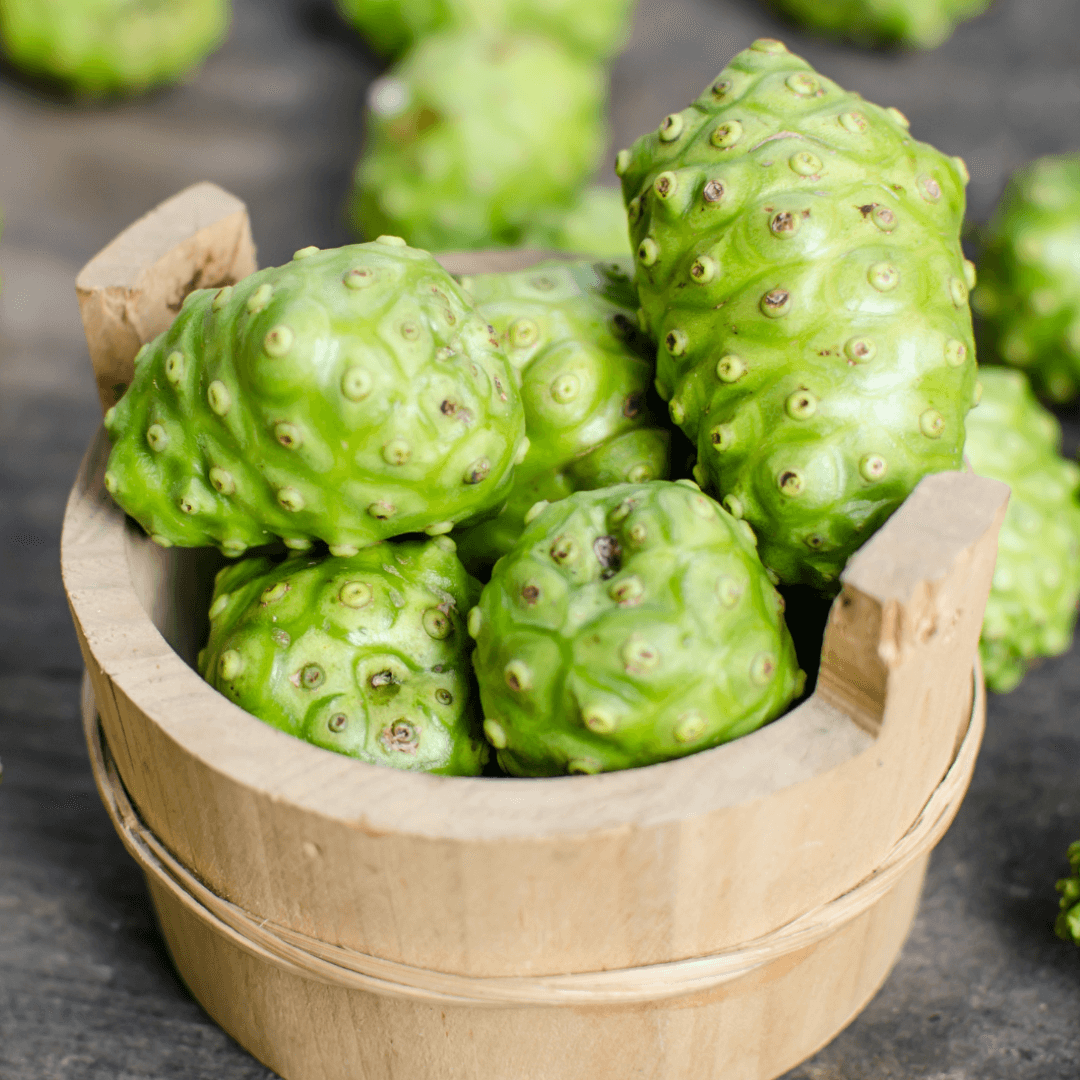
[(983, 989)]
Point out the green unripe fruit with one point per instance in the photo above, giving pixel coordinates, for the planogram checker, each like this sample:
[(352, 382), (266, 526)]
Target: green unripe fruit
[(361, 397), (628, 626), (1028, 294), (111, 46), (469, 138), (594, 224), (366, 655), (1068, 920), (585, 369), (924, 24), (1032, 607), (595, 30), (799, 264)]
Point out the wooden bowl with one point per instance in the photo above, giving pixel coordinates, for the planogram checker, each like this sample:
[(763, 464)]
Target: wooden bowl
[(722, 915)]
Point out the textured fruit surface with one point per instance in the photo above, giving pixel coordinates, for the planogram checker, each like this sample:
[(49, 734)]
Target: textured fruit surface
[(585, 369), (799, 263), (366, 655), (628, 626), (106, 46), (1029, 277), (470, 137), (1068, 920), (922, 23), (1032, 607), (348, 396), (597, 28), (594, 224)]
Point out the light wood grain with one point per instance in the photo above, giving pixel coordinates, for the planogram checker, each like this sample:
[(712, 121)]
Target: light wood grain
[(754, 1029)]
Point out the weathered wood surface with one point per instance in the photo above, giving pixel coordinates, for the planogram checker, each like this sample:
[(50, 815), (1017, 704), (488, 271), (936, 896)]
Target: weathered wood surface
[(982, 991)]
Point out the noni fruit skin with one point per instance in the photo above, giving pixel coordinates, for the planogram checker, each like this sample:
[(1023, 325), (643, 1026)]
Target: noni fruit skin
[(1032, 607), (470, 136), (924, 24), (593, 224), (596, 29), (1028, 296), (585, 369), (98, 47), (799, 263), (351, 395), (629, 625), (1068, 920), (366, 655)]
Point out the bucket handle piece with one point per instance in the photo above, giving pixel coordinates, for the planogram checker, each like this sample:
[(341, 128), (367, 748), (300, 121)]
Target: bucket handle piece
[(310, 958)]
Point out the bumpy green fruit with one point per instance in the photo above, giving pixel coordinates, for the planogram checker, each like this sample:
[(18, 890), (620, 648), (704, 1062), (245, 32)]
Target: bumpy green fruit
[(628, 626), (106, 46), (585, 368), (595, 29), (922, 23), (366, 655), (1068, 920), (1032, 606), (351, 395), (594, 224), (470, 137), (1029, 289), (799, 262)]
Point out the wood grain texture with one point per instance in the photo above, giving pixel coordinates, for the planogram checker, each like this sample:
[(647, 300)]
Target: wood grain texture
[(749, 1030)]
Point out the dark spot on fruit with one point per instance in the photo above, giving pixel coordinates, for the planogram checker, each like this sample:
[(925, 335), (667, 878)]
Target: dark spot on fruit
[(609, 554), (455, 411), (530, 594), (401, 736), (634, 404), (714, 191), (311, 676)]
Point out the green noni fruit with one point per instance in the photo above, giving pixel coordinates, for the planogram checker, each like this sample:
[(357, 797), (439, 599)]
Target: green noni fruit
[(585, 368), (627, 626), (924, 24), (1029, 289), (469, 137), (596, 29), (594, 224), (107, 46), (351, 395), (1068, 920), (1032, 607), (799, 262), (366, 655)]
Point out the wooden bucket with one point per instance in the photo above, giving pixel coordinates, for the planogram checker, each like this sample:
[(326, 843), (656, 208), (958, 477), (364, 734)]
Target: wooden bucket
[(723, 915)]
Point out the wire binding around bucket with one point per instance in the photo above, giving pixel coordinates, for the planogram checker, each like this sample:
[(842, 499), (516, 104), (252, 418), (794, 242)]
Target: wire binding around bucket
[(311, 958)]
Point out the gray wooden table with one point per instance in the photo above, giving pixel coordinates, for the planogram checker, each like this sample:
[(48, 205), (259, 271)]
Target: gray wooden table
[(982, 991)]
